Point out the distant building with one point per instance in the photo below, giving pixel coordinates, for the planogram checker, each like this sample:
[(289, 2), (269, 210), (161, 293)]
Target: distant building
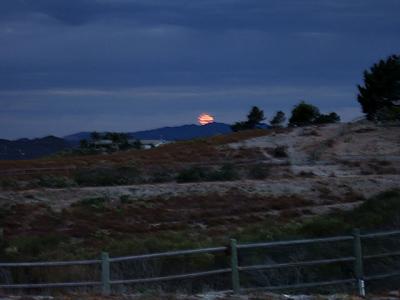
[(102, 143), (148, 144)]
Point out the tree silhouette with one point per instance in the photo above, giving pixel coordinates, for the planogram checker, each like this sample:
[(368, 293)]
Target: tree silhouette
[(381, 90), (278, 120), (254, 118), (304, 114)]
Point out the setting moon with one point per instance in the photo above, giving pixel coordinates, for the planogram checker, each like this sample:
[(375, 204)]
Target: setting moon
[(205, 119)]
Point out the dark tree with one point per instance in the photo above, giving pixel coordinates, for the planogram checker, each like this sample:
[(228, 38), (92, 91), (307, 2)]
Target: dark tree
[(255, 117), (381, 90), (304, 114), (329, 118), (278, 120)]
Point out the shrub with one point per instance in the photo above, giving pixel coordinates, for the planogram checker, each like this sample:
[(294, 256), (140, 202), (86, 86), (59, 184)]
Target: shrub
[(225, 173), (324, 226), (32, 247), (55, 182), (96, 203), (193, 174), (280, 152), (305, 114), (108, 176), (9, 184), (125, 199), (161, 176), (380, 211), (259, 171)]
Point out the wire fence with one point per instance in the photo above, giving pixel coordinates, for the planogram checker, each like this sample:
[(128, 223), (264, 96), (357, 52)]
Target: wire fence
[(356, 262)]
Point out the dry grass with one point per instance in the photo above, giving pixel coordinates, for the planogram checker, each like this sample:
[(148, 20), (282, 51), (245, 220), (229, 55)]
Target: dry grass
[(201, 151)]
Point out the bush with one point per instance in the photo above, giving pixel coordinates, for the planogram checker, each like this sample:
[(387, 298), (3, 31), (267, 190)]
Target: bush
[(259, 171), (125, 199), (305, 114), (55, 182), (226, 173), (380, 211), (196, 174), (9, 184), (108, 176), (280, 152), (32, 247), (161, 176), (324, 226), (193, 174), (96, 203)]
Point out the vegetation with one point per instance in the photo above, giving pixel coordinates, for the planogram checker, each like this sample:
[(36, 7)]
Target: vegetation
[(259, 171), (109, 142), (305, 114), (226, 173), (280, 152), (97, 224), (56, 182), (278, 120), (380, 94), (94, 219), (108, 176), (254, 118)]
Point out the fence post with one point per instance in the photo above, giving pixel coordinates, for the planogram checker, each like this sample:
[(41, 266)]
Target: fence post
[(105, 274), (358, 264), (234, 267)]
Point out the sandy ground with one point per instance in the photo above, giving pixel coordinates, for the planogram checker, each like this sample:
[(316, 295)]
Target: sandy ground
[(315, 189), (320, 149)]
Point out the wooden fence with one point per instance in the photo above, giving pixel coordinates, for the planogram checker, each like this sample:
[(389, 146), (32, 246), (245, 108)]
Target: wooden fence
[(106, 282)]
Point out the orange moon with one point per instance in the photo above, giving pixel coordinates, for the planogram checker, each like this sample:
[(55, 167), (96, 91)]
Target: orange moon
[(205, 119)]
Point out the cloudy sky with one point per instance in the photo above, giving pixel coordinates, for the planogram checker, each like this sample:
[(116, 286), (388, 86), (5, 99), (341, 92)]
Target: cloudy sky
[(127, 65)]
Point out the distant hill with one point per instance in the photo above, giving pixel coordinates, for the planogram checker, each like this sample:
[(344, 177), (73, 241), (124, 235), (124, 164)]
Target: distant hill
[(185, 132), (177, 133), (39, 147), (77, 137), (31, 148)]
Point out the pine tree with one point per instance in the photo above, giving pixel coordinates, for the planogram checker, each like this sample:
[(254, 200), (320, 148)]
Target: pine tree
[(255, 117), (278, 120), (381, 90)]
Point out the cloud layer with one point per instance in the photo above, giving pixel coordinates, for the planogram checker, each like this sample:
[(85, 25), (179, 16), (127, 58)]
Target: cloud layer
[(164, 61)]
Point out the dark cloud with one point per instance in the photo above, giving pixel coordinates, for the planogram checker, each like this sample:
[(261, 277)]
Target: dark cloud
[(61, 49)]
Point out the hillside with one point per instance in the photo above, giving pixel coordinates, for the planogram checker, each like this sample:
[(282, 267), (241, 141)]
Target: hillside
[(31, 148), (252, 185), (23, 149), (209, 187), (176, 133)]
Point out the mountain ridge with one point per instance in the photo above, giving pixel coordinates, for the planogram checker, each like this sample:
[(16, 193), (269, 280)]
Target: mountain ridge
[(39, 147), (169, 133)]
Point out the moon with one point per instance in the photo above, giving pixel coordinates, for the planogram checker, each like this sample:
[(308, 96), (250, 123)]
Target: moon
[(205, 119)]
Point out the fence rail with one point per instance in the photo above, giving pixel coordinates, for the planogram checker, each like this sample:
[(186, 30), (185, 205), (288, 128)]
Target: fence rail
[(231, 251)]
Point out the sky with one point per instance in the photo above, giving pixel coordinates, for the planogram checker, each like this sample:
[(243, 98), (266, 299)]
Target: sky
[(126, 65)]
